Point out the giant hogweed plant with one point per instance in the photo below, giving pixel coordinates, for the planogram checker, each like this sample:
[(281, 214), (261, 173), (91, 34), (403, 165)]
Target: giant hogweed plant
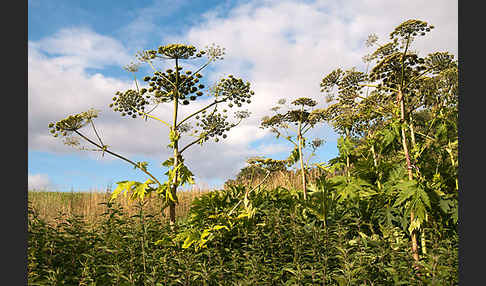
[(178, 88), (404, 85), (292, 124)]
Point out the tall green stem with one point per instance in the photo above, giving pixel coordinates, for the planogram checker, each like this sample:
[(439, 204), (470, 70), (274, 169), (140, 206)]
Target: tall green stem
[(401, 101), (453, 162), (142, 240), (410, 174), (412, 131), (348, 174), (300, 139), (172, 214), (375, 163)]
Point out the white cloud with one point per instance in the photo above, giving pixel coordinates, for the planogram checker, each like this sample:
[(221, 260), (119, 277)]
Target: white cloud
[(38, 182), (81, 47), (288, 58), (56, 89), (283, 48)]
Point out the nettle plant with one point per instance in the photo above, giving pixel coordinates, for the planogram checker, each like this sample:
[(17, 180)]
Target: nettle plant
[(176, 87), (292, 125)]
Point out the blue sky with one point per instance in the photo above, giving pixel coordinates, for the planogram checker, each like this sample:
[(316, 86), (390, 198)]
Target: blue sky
[(77, 50)]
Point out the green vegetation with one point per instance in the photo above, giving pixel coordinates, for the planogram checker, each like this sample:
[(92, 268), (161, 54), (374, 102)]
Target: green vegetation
[(408, 119), (383, 212), (274, 238)]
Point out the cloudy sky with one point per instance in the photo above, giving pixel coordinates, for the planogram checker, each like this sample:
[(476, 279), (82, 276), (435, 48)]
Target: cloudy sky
[(77, 50)]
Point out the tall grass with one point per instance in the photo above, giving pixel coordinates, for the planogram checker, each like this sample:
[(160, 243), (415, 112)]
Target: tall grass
[(290, 179), (52, 206)]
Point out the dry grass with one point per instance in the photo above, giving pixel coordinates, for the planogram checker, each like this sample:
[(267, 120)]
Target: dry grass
[(52, 205), (288, 179)]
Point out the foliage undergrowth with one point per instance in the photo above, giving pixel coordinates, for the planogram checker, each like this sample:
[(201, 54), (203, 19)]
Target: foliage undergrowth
[(240, 236)]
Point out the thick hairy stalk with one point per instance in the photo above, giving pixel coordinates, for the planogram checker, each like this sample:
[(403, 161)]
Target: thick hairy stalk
[(410, 173), (172, 213), (423, 244), (401, 102)]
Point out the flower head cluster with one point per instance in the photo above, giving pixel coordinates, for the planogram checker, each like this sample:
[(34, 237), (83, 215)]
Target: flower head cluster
[(304, 101), (282, 120), (215, 52), (389, 70), (331, 80), (234, 91), (348, 84), (177, 51), (171, 51), (162, 85), (214, 125), (129, 103), (439, 61), (242, 114), (317, 142), (385, 50), (268, 164), (72, 123), (372, 39), (411, 28), (132, 67)]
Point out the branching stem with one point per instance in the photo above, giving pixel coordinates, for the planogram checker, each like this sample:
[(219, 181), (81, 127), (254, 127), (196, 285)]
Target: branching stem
[(104, 148)]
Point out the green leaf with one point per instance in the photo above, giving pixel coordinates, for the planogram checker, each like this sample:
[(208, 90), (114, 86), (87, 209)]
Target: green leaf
[(455, 214), (294, 156), (185, 176), (444, 205), (243, 214), (423, 196), (205, 234), (414, 225), (407, 190), (388, 137), (123, 186), (188, 242), (168, 163), (290, 270), (218, 227), (172, 197), (192, 236), (134, 188), (141, 190)]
